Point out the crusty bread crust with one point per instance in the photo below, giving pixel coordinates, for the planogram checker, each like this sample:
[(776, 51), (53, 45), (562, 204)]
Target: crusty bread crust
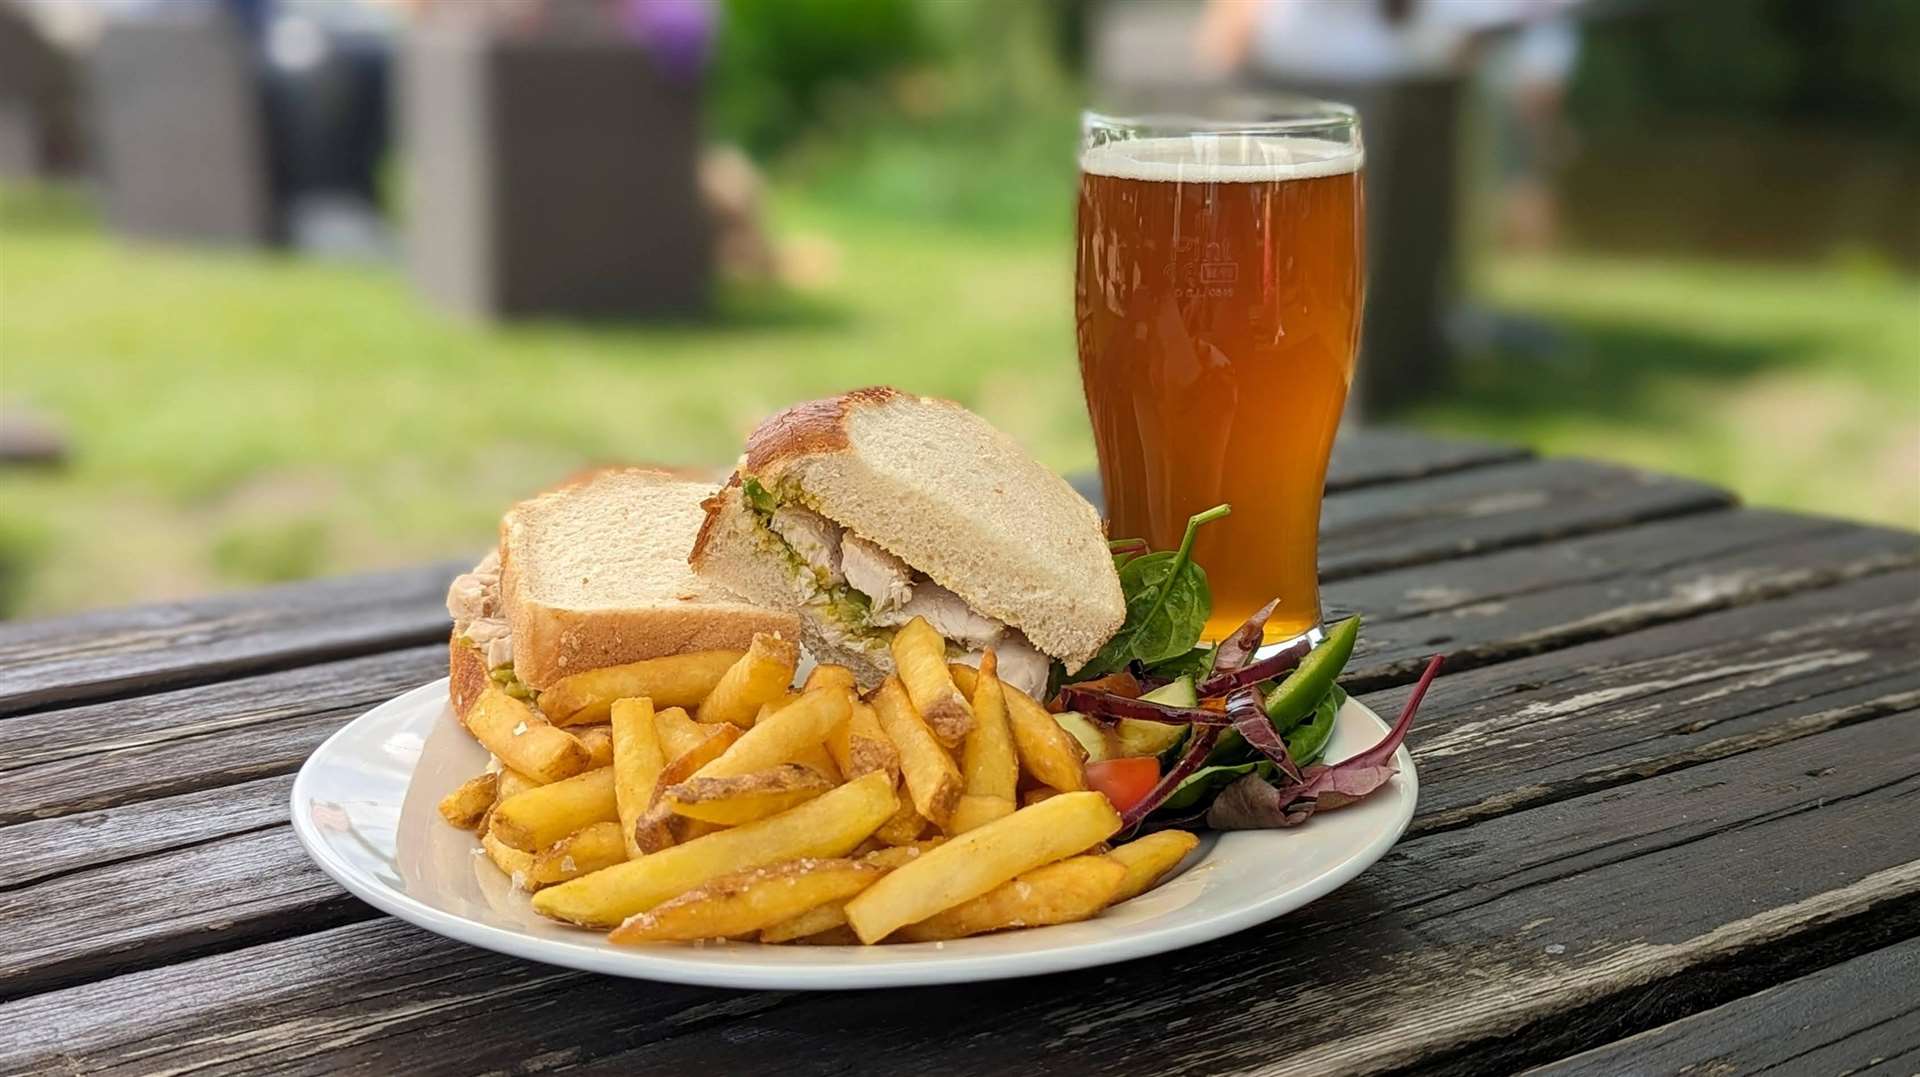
[(595, 574), (944, 491), (811, 427), (466, 674)]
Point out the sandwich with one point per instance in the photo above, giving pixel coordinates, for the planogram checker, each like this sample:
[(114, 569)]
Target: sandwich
[(590, 575), (860, 512)]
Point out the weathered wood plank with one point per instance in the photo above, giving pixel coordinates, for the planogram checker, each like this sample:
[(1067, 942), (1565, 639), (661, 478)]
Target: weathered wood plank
[(48, 847), (1375, 456), (142, 648), (1861, 1016), (138, 913), (365, 989), (1458, 939), (1524, 601), (1493, 508), (105, 754), (1610, 713)]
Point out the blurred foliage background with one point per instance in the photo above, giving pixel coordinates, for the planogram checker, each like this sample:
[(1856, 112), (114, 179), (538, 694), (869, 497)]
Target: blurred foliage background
[(239, 418)]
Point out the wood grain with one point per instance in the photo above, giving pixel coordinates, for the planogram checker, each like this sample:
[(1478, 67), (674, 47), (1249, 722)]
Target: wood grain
[(45, 848), (1480, 937), (1524, 601), (1861, 1016), (1614, 712), (142, 648), (137, 913), (1376, 456), (1493, 508), (102, 755)]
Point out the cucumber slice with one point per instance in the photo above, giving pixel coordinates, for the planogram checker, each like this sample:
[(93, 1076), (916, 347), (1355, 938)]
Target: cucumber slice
[(1175, 693)]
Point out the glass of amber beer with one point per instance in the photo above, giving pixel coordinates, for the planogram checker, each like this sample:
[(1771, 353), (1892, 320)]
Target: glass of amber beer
[(1217, 297)]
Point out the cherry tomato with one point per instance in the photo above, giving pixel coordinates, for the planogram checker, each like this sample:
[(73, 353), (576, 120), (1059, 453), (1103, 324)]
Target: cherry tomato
[(1125, 781)]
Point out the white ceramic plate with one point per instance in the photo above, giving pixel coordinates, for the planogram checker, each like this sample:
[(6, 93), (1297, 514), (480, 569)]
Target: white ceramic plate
[(365, 804)]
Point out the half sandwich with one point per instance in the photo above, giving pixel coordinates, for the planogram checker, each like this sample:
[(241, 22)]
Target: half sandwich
[(590, 575), (862, 511)]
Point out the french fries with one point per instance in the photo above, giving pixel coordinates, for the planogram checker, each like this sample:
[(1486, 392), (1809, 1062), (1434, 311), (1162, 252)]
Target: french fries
[(988, 765), (905, 827), (1047, 752), (678, 732), (598, 741), (831, 676), (783, 736), (932, 780), (748, 901), (705, 750), (637, 763), (920, 656), (654, 829), (1058, 893), (976, 811), (965, 677), (970, 864), (680, 680), (587, 850), (759, 676), (468, 804), (514, 864), (859, 746), (812, 922), (510, 781), (523, 739), (833, 914), (827, 826), (742, 798), (537, 818), (1148, 859), (943, 804)]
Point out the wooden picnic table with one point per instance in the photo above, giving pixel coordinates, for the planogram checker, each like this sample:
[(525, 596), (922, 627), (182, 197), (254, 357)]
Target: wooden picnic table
[(1670, 818)]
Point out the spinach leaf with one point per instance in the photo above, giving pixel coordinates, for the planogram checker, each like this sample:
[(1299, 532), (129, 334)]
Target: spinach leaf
[(1168, 603), (1196, 663)]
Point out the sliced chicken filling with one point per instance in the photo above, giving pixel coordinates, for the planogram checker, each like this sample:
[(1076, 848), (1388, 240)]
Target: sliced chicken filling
[(473, 601), (896, 594)]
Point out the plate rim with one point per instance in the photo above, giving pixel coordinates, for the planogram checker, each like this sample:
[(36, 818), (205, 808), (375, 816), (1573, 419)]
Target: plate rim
[(640, 963)]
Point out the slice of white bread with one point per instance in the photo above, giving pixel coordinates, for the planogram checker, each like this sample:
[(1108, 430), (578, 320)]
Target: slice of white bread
[(941, 489), (595, 574)]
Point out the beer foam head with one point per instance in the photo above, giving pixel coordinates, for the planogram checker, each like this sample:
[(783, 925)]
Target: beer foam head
[(1221, 158)]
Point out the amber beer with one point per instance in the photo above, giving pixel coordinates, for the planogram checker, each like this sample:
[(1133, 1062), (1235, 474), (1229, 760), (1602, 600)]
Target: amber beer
[(1218, 299)]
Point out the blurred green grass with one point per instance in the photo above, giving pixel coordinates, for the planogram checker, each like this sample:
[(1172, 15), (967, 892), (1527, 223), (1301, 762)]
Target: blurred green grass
[(239, 418)]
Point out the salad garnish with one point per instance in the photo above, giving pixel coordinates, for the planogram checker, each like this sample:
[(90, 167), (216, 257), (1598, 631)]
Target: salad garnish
[(1240, 737)]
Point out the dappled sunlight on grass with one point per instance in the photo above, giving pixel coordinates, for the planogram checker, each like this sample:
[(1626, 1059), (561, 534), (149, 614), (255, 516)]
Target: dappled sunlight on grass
[(1797, 387)]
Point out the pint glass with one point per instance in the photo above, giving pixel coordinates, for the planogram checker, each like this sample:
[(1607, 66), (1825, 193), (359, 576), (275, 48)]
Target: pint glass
[(1217, 297)]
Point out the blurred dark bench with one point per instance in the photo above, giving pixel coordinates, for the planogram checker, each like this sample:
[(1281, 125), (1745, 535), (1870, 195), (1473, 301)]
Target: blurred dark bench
[(550, 175), (180, 130)]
